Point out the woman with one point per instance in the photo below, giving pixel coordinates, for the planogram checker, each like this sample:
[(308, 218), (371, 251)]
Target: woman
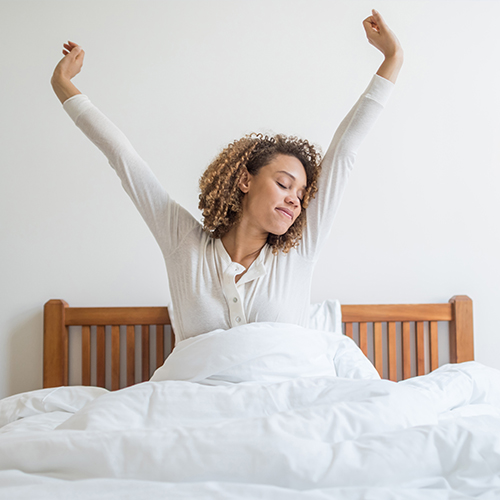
[(253, 258)]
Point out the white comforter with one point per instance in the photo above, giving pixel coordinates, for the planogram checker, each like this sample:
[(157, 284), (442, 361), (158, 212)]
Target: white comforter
[(260, 411)]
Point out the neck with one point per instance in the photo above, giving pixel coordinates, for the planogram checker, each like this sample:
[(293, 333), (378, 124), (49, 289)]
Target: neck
[(243, 245)]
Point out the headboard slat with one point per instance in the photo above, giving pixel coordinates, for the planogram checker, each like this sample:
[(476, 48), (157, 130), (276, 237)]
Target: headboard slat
[(130, 355), (86, 355), (145, 352), (420, 338), (406, 336), (392, 351), (363, 338), (101, 356), (348, 330), (378, 355), (433, 344), (115, 357)]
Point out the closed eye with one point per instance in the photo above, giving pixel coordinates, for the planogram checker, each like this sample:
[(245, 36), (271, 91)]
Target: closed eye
[(282, 186)]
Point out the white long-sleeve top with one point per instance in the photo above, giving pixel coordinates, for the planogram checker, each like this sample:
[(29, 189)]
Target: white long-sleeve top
[(201, 274)]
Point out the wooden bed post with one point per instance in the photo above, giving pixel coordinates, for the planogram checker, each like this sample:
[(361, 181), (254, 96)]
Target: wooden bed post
[(461, 330), (55, 344)]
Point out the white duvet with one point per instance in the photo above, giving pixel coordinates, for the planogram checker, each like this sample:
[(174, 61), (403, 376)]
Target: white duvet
[(266, 411)]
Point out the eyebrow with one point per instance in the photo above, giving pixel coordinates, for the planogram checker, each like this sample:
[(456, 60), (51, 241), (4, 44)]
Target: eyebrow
[(290, 175)]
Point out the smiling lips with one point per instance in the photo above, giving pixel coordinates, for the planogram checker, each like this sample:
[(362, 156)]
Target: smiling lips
[(286, 212)]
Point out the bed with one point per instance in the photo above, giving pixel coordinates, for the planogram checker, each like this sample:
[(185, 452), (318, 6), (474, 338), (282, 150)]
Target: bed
[(383, 411)]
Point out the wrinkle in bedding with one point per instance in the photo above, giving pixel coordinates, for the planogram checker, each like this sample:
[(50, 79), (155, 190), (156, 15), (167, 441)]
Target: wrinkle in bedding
[(285, 436)]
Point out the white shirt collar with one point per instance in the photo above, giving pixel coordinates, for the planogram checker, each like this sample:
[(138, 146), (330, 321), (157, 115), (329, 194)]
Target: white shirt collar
[(256, 269)]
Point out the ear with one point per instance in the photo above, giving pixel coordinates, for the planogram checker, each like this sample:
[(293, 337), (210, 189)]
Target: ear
[(244, 182)]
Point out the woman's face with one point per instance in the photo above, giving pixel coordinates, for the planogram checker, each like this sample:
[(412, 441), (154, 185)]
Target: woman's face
[(273, 196)]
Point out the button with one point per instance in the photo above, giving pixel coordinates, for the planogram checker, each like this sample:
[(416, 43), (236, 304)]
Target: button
[(235, 299), (238, 319)]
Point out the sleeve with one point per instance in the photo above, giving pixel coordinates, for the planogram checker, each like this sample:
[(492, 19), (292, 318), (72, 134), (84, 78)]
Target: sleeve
[(338, 162), (167, 220)]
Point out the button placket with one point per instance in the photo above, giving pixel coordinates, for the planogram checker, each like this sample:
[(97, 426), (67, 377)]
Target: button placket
[(236, 312)]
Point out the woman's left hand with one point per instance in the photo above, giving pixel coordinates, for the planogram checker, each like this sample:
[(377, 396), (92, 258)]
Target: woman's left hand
[(381, 36)]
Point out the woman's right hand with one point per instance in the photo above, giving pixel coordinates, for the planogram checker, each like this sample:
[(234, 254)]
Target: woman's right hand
[(72, 62), (68, 67)]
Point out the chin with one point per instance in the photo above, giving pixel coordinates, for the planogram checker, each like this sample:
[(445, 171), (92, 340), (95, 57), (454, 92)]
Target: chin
[(280, 231)]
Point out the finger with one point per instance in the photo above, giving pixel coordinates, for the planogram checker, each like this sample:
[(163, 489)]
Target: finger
[(76, 51), (80, 54), (71, 46), (379, 19), (370, 25)]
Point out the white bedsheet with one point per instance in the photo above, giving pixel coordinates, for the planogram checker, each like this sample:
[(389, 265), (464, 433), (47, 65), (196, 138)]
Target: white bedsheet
[(277, 435)]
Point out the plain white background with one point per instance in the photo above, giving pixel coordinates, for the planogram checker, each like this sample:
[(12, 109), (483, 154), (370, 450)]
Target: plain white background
[(418, 222)]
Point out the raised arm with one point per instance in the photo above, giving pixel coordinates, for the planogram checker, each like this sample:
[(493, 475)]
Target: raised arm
[(168, 221), (339, 159)]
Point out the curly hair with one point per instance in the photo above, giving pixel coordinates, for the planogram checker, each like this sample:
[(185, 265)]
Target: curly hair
[(221, 197)]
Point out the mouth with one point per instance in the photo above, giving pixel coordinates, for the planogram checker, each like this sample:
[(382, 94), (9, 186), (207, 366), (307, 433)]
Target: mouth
[(286, 213)]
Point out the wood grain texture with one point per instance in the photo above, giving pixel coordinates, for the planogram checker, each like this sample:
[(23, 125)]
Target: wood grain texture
[(363, 338), (55, 344), (406, 341), (145, 352), (433, 345), (348, 330), (397, 312), (378, 354), (392, 356), (115, 357), (85, 355), (101, 356), (130, 355), (420, 337), (461, 330), (117, 316)]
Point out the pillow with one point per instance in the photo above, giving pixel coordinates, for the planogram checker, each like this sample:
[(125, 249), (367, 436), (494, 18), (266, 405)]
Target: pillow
[(326, 316)]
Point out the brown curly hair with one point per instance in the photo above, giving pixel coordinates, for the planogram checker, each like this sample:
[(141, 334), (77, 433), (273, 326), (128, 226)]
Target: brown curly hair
[(220, 197)]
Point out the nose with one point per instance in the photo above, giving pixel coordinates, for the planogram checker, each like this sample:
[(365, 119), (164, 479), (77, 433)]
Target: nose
[(292, 199)]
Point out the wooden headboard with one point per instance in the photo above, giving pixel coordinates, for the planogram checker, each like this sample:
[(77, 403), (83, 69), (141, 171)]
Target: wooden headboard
[(397, 338)]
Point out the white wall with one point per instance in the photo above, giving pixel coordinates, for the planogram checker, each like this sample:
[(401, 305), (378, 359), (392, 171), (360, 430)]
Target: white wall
[(183, 78)]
